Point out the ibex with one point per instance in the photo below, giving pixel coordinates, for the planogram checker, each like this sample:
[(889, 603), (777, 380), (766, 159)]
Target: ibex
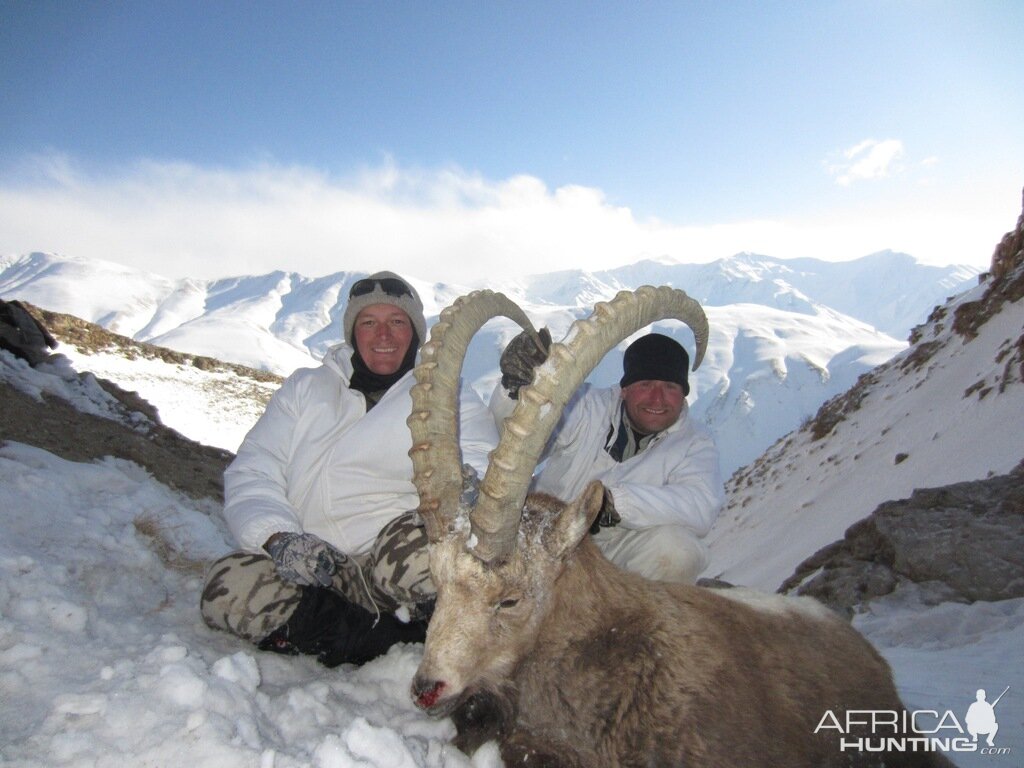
[(541, 643)]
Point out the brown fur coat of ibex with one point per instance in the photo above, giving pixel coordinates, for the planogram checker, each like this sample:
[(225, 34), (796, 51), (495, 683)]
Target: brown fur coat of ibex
[(541, 643)]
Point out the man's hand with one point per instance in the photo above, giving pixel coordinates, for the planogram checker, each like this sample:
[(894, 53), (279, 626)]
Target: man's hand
[(302, 558), (607, 517), (519, 359)]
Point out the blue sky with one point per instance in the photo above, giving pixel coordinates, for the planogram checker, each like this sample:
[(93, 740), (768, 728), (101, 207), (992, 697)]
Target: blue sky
[(451, 138)]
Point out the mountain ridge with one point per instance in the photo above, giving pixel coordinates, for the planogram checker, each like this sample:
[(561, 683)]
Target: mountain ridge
[(776, 352)]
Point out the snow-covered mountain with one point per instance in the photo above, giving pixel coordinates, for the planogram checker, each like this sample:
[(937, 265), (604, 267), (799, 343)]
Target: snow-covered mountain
[(786, 334), (887, 290)]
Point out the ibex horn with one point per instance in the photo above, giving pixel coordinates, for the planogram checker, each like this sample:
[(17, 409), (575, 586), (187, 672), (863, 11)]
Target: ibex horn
[(434, 422), (495, 519)]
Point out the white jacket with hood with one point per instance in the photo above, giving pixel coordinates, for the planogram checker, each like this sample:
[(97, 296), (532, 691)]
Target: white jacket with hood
[(318, 462), (675, 480)]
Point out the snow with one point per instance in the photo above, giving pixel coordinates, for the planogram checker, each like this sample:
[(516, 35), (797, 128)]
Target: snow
[(941, 655), (62, 380), (105, 661), (766, 370), (211, 407), (808, 492), (786, 334)]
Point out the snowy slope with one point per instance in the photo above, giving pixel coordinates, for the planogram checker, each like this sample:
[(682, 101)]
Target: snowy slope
[(944, 411), (768, 369), (215, 407), (887, 290), (105, 662)]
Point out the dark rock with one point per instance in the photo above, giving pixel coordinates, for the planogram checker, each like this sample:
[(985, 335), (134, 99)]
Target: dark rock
[(962, 542), (22, 334)]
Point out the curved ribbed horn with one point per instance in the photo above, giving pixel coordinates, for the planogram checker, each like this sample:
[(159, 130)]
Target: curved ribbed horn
[(434, 422), (495, 518)]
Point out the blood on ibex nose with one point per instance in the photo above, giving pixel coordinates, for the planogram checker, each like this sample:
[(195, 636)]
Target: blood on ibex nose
[(427, 693)]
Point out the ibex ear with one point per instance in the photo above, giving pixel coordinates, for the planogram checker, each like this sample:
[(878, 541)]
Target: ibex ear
[(575, 521)]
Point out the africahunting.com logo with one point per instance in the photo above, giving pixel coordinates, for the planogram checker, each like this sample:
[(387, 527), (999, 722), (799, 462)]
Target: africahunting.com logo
[(919, 730)]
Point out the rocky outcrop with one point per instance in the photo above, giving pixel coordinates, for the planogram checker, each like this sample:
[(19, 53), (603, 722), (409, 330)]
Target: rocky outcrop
[(962, 542), (1005, 287), (1009, 254), (22, 334), (91, 338)]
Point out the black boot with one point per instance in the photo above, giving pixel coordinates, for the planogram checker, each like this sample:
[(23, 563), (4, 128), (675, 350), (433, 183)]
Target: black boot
[(337, 632)]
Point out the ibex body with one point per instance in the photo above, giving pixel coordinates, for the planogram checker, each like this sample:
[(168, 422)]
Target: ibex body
[(593, 666), (541, 643)]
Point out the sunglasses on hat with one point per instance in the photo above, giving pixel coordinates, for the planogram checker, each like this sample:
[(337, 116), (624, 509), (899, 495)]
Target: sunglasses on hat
[(390, 285)]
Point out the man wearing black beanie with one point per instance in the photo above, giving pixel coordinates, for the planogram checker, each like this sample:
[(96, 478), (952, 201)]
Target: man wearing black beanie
[(660, 469)]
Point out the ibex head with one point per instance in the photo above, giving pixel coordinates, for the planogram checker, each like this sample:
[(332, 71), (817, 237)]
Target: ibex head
[(488, 614), (494, 561)]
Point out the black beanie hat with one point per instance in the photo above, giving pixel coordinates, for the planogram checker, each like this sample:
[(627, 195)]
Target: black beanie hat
[(656, 358)]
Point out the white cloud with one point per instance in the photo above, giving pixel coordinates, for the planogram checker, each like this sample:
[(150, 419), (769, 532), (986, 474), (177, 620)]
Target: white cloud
[(182, 220), (870, 159)]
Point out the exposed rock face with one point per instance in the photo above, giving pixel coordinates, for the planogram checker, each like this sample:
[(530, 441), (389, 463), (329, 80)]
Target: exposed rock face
[(1006, 286), (962, 542), (1009, 254)]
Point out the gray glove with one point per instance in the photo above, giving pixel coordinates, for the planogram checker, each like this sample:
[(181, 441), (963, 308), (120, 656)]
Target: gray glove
[(470, 487), (519, 359), (607, 517), (302, 558)]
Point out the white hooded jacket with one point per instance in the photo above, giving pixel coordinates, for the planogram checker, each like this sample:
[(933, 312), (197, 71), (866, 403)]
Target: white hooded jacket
[(318, 462), (675, 480)]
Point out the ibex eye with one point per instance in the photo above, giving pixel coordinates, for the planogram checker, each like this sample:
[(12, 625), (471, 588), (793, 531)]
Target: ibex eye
[(508, 602)]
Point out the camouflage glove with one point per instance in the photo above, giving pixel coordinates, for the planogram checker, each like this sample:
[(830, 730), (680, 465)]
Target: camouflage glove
[(302, 558), (519, 359), (607, 517)]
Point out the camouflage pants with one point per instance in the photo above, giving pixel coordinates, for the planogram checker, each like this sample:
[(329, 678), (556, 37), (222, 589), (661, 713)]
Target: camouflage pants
[(243, 594)]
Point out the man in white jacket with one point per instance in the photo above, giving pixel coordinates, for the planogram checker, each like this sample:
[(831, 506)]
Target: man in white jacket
[(660, 468), (320, 496)]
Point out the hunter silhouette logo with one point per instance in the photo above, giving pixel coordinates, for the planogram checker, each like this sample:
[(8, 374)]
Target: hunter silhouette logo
[(919, 730), (981, 717)]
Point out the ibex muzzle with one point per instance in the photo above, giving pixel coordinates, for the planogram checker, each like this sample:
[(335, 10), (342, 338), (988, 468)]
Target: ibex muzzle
[(488, 615)]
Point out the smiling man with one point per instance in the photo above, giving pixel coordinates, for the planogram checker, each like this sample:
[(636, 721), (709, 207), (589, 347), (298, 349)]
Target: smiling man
[(332, 554), (660, 469)]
